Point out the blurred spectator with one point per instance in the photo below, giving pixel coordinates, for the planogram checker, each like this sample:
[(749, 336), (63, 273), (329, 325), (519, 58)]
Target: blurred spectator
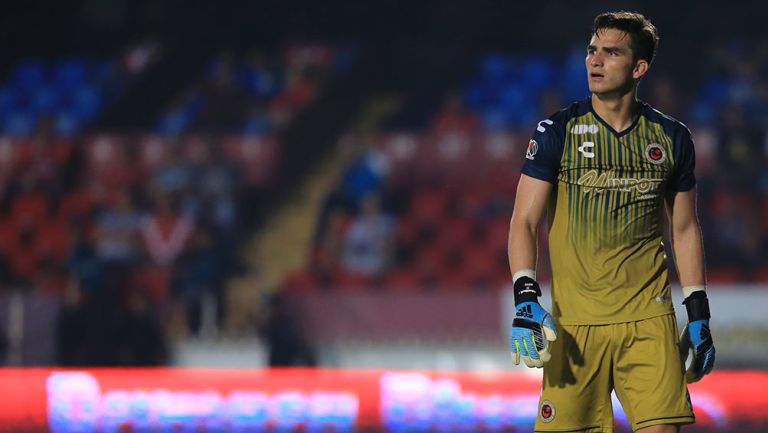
[(327, 250), (225, 102), (165, 231), (71, 330), (368, 243), (199, 275), (141, 341), (286, 340), (84, 263), (117, 231)]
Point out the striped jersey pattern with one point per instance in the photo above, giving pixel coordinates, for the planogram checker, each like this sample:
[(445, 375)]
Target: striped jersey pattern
[(605, 213)]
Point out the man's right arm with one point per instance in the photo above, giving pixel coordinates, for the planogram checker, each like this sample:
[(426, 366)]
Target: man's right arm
[(532, 328), (530, 204)]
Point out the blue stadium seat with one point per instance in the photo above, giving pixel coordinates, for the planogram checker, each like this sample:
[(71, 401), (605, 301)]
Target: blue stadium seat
[(86, 101), (66, 123), (495, 120), (44, 99), (28, 74), (69, 74), (257, 125), (20, 123), (8, 101)]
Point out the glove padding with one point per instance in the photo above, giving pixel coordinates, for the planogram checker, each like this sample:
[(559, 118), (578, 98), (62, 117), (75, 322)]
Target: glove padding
[(532, 332), (696, 341)]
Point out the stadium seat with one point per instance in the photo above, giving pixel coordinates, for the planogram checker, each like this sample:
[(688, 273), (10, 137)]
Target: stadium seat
[(29, 209), (53, 241), (429, 205)]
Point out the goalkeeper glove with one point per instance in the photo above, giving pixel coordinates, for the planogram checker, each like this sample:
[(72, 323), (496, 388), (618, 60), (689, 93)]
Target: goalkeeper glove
[(532, 328), (696, 339)]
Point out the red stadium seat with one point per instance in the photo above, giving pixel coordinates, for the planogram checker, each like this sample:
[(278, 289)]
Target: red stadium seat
[(300, 282), (29, 209), (429, 205), (75, 205), (454, 232), (350, 281), (404, 279), (53, 241), (9, 236), (406, 232), (497, 234), (23, 262), (725, 275)]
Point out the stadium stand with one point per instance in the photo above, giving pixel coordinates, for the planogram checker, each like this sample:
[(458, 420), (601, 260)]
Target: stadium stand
[(135, 226), (459, 173)]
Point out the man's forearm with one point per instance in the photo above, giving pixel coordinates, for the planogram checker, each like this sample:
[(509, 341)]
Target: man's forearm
[(521, 247), (689, 255)]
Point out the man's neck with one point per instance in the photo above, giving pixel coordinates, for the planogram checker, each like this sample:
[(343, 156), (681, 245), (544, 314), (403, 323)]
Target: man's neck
[(617, 111)]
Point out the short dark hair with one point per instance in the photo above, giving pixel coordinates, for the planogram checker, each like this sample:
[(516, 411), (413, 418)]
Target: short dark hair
[(643, 36)]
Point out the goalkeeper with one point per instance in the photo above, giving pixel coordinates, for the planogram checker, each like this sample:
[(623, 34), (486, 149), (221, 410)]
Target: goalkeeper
[(603, 169)]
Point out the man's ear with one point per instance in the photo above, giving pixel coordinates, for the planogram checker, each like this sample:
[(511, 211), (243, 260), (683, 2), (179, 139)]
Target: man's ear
[(641, 67)]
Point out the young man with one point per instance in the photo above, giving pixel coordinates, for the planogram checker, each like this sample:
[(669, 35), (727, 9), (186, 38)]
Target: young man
[(603, 168)]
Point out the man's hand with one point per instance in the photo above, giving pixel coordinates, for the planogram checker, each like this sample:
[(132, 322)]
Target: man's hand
[(533, 328), (697, 341)]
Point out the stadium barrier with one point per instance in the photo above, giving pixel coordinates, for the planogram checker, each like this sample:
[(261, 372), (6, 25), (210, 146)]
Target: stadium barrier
[(320, 400)]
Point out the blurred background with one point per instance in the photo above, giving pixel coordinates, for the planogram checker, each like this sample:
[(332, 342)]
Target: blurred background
[(250, 184)]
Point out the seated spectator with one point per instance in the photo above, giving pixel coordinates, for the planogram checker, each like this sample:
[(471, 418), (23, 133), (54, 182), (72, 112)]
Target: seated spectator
[(117, 231), (165, 232), (367, 246)]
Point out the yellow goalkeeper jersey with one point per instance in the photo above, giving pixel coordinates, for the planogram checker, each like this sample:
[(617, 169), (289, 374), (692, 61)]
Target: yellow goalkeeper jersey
[(605, 213)]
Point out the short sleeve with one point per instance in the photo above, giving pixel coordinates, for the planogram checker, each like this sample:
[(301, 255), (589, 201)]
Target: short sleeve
[(545, 150), (683, 178)]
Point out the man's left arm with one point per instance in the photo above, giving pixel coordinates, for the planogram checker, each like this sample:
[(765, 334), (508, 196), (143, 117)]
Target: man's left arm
[(688, 251), (686, 238)]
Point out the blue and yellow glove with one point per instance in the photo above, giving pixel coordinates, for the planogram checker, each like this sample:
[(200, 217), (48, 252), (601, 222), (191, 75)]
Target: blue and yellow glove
[(532, 328), (696, 340)]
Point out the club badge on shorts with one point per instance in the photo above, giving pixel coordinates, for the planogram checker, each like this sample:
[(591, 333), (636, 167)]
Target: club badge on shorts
[(655, 153), (547, 412)]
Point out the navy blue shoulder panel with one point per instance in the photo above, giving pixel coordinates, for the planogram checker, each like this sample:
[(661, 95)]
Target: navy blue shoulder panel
[(545, 149), (682, 177)]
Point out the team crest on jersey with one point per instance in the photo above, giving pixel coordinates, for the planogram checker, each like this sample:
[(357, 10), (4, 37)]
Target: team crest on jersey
[(547, 412), (655, 153), (533, 147)]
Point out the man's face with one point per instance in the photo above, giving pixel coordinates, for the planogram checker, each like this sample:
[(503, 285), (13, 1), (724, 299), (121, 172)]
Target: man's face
[(610, 65)]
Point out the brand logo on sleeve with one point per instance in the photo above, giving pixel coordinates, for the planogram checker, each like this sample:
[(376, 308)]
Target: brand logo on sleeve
[(540, 126), (533, 147)]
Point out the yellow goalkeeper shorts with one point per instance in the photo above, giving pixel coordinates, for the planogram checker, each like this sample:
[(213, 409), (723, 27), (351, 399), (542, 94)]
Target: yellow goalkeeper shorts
[(639, 360)]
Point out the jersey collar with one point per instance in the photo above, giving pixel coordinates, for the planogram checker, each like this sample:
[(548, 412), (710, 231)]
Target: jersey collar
[(640, 108)]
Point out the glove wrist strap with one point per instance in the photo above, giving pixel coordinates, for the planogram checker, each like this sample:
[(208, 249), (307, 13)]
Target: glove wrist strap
[(697, 306), (526, 290)]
